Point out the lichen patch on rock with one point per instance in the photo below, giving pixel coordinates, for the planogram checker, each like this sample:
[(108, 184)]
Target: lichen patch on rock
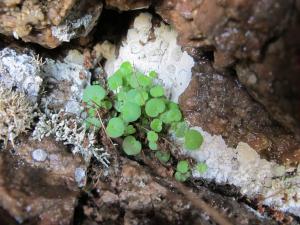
[(155, 50)]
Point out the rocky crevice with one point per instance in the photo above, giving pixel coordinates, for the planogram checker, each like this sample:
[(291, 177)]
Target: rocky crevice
[(259, 106)]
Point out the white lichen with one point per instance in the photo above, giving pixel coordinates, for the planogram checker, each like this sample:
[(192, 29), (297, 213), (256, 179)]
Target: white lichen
[(16, 114), (161, 54), (69, 29), (70, 130), (65, 82), (21, 71), (243, 167)]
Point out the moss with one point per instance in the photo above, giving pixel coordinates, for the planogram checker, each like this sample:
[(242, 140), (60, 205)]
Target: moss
[(16, 114)]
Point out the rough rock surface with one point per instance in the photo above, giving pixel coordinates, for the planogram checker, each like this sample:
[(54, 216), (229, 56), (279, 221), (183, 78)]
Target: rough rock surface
[(21, 70), (65, 80), (125, 5), (275, 81), (233, 29), (48, 23), (128, 194), (271, 184), (149, 47), (221, 106), (38, 183)]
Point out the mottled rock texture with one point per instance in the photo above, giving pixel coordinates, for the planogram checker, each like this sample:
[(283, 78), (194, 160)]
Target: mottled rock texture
[(129, 194), (275, 82), (234, 29), (125, 5), (38, 191), (38, 21), (219, 104), (259, 37)]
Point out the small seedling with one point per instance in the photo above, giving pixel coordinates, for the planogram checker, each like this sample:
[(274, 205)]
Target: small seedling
[(192, 139), (164, 157), (182, 171), (201, 167), (140, 113)]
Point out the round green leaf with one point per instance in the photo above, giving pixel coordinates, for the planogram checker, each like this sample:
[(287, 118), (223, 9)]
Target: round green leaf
[(192, 139), (91, 112), (92, 121), (154, 107), (156, 125), (153, 146), (93, 95), (130, 111), (118, 105), (163, 156), (130, 130), (122, 95), (173, 105), (182, 166), (201, 167), (157, 91), (152, 136), (182, 177), (143, 80), (106, 104), (180, 129), (126, 69), (131, 146), (153, 74), (133, 81), (172, 115), (137, 96), (115, 127), (114, 82)]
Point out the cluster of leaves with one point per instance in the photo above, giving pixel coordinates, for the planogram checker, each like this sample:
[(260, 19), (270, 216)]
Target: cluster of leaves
[(138, 105), (183, 170)]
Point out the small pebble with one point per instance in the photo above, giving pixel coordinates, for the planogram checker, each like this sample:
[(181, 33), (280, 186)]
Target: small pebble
[(39, 155), (80, 176)]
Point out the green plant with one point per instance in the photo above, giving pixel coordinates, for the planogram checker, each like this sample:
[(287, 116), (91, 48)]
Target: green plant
[(201, 167), (140, 112), (182, 171)]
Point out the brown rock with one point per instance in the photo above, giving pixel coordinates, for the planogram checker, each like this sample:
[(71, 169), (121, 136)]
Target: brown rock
[(220, 105), (37, 182), (234, 29), (140, 197), (125, 5), (34, 21), (275, 82)]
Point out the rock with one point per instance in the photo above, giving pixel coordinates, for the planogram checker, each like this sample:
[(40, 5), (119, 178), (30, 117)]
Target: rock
[(125, 5), (235, 30), (154, 47), (39, 155), (48, 23), (80, 176), (71, 131), (274, 82), (38, 182), (21, 70), (243, 168), (65, 80), (132, 194), (221, 106)]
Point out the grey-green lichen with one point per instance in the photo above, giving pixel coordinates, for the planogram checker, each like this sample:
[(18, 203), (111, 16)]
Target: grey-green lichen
[(70, 130), (16, 114)]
